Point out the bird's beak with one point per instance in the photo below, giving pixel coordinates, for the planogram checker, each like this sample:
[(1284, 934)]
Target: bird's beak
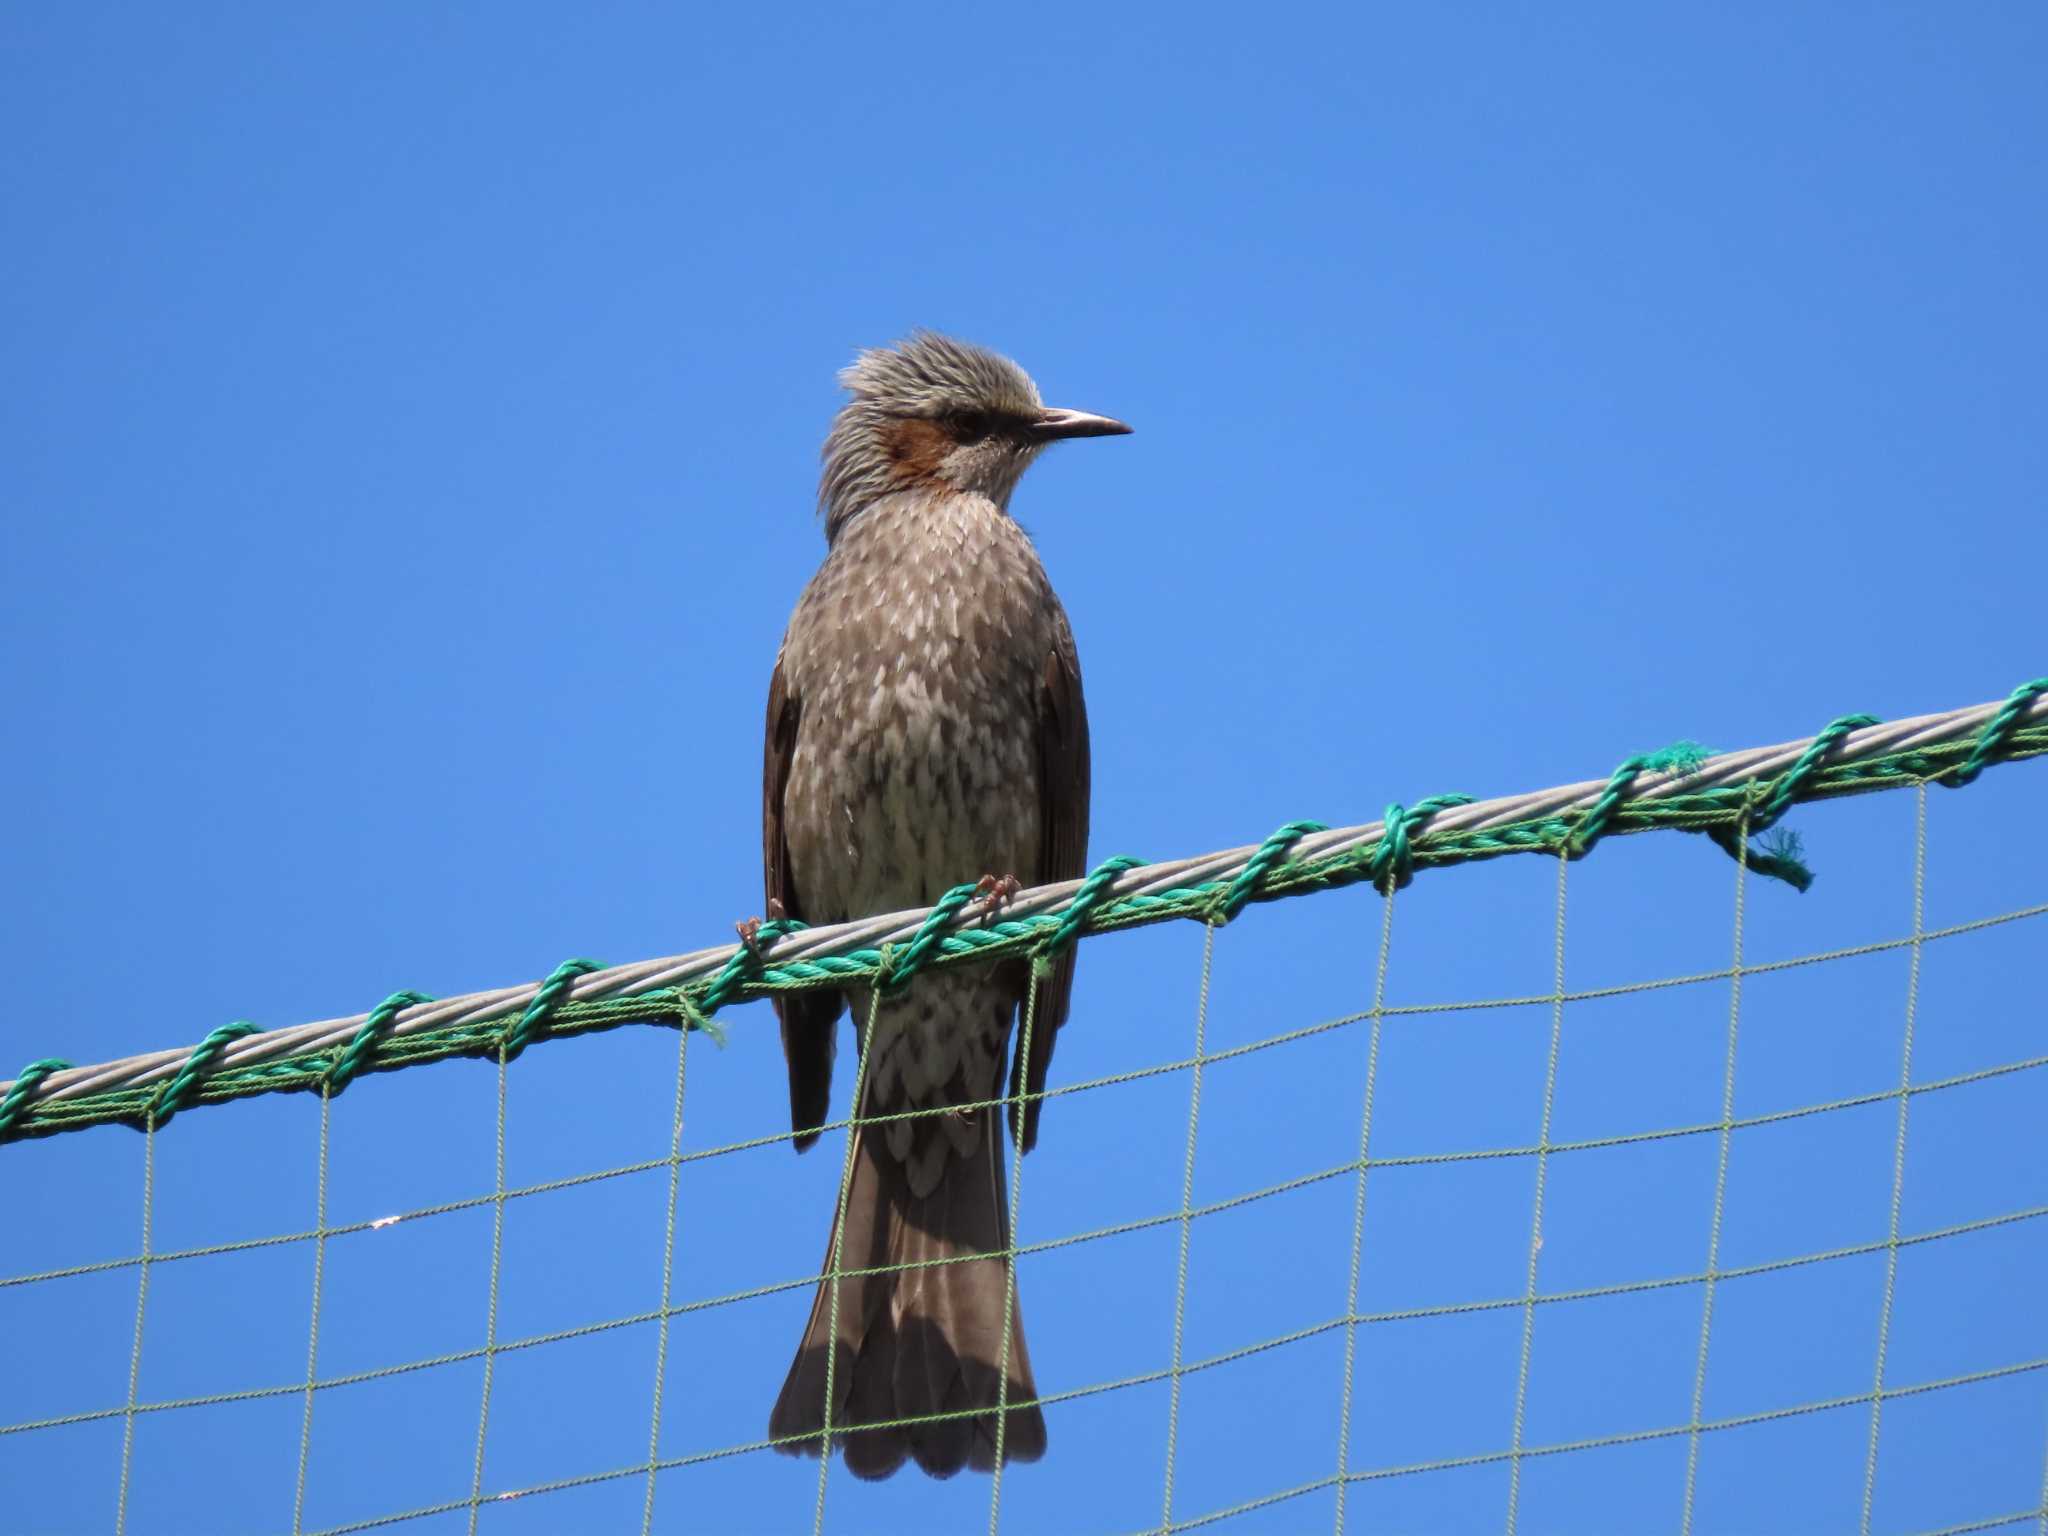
[(1052, 425)]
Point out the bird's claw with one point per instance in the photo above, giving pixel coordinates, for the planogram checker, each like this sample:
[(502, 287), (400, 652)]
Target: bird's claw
[(749, 929), (995, 892)]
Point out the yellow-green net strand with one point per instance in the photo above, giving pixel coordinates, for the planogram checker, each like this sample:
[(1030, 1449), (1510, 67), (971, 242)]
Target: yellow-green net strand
[(141, 1309), (1372, 1073), (490, 1351), (1724, 1143), (1891, 1256), (1010, 1249), (1543, 1150), (1187, 1193), (668, 1277), (834, 1272), (313, 1323)]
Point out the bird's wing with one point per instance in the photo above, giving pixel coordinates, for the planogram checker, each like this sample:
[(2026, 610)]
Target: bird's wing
[(1062, 855), (808, 1018)]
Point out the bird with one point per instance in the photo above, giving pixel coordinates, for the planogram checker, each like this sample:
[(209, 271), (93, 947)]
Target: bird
[(925, 725)]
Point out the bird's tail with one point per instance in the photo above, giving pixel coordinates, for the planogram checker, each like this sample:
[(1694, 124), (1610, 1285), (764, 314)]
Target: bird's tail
[(924, 1340)]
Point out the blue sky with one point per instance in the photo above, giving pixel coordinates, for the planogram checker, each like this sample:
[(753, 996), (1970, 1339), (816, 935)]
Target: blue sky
[(408, 471)]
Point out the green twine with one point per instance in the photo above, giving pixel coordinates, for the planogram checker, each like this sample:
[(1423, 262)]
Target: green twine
[(1749, 806), (1230, 901), (696, 1018), (1793, 781), (1392, 864), (1779, 858), (364, 1046), (15, 1104), (898, 966), (1093, 892), (177, 1093), (744, 964), (1680, 757), (533, 1022), (1991, 740)]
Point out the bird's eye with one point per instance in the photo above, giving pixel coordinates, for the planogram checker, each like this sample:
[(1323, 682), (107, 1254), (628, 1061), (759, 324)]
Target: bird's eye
[(969, 426)]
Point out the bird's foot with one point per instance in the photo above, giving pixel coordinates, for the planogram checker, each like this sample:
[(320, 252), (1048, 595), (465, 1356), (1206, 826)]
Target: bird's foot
[(995, 892), (749, 929)]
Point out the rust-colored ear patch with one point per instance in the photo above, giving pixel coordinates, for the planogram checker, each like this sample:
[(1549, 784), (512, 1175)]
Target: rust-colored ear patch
[(915, 446)]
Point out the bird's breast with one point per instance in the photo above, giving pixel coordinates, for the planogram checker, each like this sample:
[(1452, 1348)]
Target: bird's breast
[(917, 654)]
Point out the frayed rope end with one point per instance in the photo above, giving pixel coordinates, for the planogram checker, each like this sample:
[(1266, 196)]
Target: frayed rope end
[(1681, 758)]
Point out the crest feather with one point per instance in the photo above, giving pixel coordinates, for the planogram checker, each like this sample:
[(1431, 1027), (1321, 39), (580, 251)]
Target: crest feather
[(924, 375)]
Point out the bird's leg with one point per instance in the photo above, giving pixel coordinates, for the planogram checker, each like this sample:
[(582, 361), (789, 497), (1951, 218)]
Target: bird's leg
[(749, 929), (995, 892)]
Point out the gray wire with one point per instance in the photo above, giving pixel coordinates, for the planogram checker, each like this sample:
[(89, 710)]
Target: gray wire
[(643, 976)]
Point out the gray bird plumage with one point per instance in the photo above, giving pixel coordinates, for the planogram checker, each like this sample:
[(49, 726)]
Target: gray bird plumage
[(925, 726)]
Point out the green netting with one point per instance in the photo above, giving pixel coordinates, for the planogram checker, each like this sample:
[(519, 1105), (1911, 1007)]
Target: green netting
[(1410, 839), (1728, 814)]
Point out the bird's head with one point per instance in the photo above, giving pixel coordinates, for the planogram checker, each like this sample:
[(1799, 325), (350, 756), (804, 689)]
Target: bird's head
[(941, 414)]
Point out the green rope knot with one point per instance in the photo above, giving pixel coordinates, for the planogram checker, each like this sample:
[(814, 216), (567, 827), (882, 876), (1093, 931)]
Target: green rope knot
[(883, 982), (1392, 864), (363, 1047), (1792, 782), (1990, 742), (178, 1092), (695, 1018), (1230, 901), (1681, 757), (15, 1105), (1093, 893), (899, 966), (533, 1023), (1781, 857), (743, 966)]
